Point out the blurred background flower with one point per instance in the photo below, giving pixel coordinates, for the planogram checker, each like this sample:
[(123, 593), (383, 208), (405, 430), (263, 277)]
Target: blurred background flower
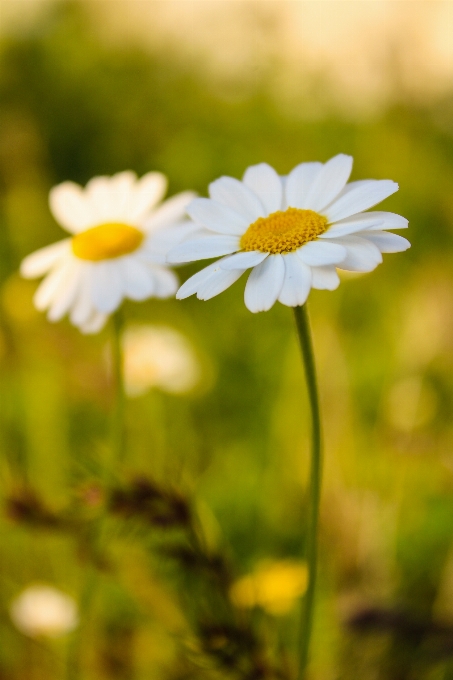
[(274, 586), (120, 231), (44, 611), (158, 356)]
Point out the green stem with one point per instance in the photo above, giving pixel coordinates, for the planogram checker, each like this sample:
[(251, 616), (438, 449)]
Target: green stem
[(74, 653), (118, 435), (92, 578), (311, 549)]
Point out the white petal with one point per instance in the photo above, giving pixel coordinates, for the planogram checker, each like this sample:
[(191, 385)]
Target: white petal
[(70, 207), (264, 284), (83, 307), (190, 287), (362, 255), (68, 293), (375, 219), (171, 211), (350, 225), (388, 220), (100, 196), (122, 191), (219, 281), (217, 217), (39, 262), (297, 281), (324, 278), (51, 287), (159, 243), (110, 198), (329, 182), (106, 286), (359, 196), (318, 253), (299, 182), (203, 248), (243, 260), (234, 194), (94, 323), (212, 275), (165, 282), (266, 184), (385, 241), (149, 190), (137, 279)]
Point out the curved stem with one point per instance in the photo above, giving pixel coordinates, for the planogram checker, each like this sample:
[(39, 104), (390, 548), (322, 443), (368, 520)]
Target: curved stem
[(303, 329), (118, 438)]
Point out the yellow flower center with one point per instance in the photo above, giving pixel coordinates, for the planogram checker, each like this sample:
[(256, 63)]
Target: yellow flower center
[(284, 231), (106, 241)]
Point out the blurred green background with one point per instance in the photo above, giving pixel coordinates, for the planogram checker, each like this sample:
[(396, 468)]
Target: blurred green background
[(76, 101)]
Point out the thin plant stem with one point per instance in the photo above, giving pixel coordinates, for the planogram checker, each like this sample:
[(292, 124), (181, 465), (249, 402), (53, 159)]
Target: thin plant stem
[(74, 653), (118, 434), (91, 584), (311, 546)]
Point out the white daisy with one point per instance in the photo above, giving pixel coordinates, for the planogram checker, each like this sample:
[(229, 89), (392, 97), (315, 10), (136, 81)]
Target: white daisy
[(292, 231), (42, 610), (120, 236), (158, 356)]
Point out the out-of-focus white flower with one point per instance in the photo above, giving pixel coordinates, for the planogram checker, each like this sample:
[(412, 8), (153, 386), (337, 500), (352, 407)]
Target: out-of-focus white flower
[(44, 611), (158, 356), (274, 586), (120, 236), (292, 232)]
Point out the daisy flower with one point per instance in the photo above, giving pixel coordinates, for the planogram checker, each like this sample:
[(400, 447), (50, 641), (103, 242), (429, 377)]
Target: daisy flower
[(42, 610), (273, 585), (119, 238), (293, 232), (158, 356)]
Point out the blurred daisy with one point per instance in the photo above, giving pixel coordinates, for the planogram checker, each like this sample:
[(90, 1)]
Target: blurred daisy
[(158, 356), (44, 611), (293, 232), (274, 586), (120, 236)]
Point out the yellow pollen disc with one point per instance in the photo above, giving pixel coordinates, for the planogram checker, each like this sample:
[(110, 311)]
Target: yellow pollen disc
[(284, 231), (106, 241)]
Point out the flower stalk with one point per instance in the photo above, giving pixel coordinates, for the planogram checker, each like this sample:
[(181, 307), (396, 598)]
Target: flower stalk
[(97, 534), (311, 546)]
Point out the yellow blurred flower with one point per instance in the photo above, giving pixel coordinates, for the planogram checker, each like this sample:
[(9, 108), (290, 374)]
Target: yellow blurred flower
[(158, 356), (274, 586), (44, 611)]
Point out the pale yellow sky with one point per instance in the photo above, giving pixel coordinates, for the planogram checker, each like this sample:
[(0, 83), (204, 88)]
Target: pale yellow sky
[(366, 50)]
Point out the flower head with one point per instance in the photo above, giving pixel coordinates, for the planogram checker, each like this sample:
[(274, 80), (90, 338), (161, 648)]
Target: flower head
[(274, 586), (119, 238), (158, 356), (293, 232), (44, 611)]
